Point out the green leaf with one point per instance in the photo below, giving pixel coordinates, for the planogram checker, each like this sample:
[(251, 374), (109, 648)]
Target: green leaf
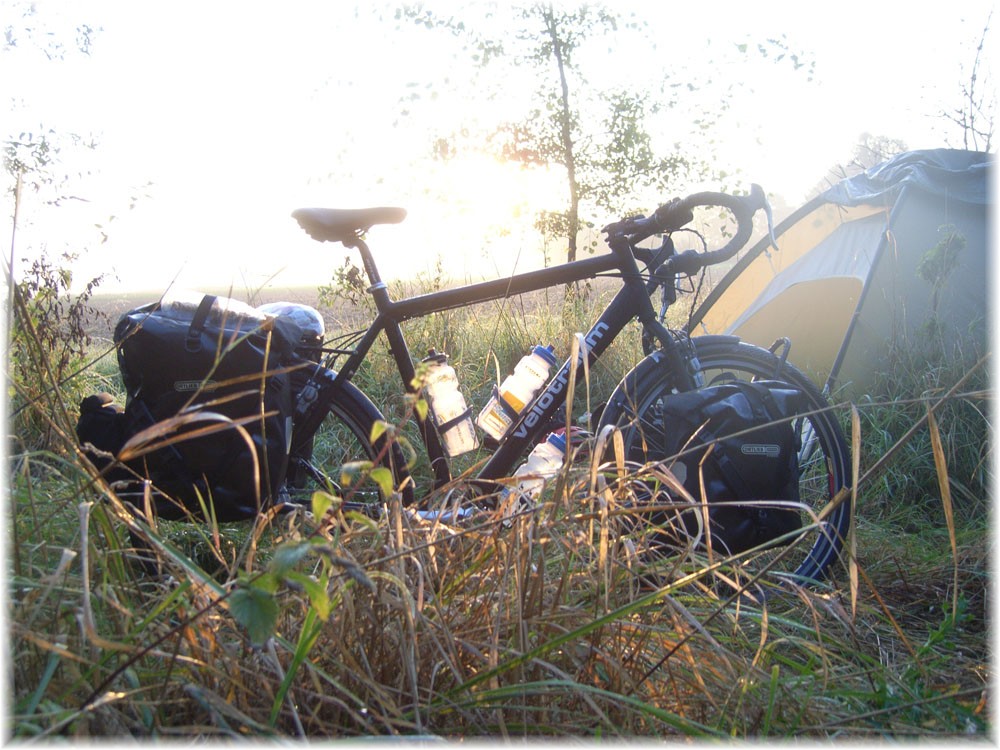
[(378, 430), (383, 477), (321, 503), (409, 452), (317, 592), (353, 471), (267, 582), (256, 610), (420, 407), (287, 556)]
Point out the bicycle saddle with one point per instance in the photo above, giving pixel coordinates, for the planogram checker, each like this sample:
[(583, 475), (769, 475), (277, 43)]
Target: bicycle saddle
[(344, 224)]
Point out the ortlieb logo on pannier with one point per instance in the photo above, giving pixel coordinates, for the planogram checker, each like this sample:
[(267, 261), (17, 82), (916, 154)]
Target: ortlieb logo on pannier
[(734, 442), (190, 386), (209, 402)]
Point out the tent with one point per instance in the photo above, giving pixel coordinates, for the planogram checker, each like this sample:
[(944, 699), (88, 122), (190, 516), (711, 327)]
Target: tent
[(843, 282)]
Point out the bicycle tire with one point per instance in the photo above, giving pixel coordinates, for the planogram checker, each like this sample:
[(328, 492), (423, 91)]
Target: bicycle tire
[(340, 456), (821, 474)]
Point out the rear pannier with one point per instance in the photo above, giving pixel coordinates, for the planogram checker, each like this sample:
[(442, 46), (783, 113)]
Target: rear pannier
[(736, 447), (207, 420)]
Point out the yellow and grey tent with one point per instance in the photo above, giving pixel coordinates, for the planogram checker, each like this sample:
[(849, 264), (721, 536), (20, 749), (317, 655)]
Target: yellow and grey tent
[(867, 264)]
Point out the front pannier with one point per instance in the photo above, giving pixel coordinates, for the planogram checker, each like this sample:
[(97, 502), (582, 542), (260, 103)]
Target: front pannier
[(209, 405), (735, 442)]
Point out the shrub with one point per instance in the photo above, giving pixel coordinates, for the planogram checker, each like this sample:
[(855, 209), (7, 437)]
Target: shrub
[(48, 344)]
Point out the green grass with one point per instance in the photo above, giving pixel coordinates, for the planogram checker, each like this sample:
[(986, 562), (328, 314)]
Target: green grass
[(553, 628)]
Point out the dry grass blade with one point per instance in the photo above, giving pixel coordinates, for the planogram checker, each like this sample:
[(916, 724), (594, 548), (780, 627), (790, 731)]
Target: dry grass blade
[(941, 464), (852, 533), (165, 433)]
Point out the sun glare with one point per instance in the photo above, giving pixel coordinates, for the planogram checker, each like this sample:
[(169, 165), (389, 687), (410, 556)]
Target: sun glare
[(488, 209)]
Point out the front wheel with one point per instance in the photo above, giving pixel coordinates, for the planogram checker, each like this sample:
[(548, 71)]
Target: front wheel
[(823, 466)]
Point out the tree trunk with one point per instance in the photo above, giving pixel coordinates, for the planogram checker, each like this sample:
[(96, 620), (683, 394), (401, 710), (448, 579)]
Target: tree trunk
[(573, 214)]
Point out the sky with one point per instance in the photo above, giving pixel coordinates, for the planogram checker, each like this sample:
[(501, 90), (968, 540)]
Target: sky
[(214, 120)]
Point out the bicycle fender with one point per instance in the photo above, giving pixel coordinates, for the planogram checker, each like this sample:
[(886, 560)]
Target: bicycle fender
[(658, 359), (626, 389), (714, 339)]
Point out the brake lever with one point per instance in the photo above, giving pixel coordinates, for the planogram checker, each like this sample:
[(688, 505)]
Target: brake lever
[(770, 222), (666, 300), (758, 199), (666, 279)]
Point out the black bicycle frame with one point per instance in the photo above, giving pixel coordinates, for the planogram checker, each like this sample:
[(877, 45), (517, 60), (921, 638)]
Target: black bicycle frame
[(631, 302)]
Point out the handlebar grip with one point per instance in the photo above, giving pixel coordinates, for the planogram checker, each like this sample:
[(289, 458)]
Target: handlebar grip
[(672, 216), (678, 212), (743, 209)]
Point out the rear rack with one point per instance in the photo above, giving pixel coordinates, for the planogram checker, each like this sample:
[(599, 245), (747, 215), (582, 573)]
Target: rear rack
[(339, 347)]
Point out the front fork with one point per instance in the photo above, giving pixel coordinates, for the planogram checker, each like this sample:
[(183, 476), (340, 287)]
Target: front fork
[(679, 350), (675, 345)]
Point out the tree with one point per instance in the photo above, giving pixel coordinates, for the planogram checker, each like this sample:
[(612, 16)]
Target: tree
[(975, 113), (605, 158), (596, 136), (47, 322), (869, 151), (33, 155), (616, 144)]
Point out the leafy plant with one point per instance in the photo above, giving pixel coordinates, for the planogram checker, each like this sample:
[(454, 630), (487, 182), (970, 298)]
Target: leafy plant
[(48, 339), (348, 285), (935, 266)]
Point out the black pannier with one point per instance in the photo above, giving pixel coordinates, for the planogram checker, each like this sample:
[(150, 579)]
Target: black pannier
[(193, 370), (101, 431), (734, 442)]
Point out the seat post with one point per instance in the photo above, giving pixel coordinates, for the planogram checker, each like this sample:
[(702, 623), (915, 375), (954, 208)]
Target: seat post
[(378, 288)]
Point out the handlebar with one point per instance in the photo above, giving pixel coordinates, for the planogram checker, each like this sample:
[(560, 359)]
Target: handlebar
[(677, 213)]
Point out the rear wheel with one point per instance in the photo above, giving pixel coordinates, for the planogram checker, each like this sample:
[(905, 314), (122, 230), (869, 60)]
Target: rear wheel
[(342, 459), (823, 461)]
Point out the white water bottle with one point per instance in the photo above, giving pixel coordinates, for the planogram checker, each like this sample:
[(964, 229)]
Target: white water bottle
[(542, 464), (516, 392), (451, 414)]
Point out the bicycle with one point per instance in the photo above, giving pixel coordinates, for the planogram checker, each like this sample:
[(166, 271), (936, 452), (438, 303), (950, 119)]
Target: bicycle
[(675, 362)]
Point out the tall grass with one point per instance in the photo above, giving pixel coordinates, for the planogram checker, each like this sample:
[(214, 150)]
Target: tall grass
[(916, 376), (555, 625)]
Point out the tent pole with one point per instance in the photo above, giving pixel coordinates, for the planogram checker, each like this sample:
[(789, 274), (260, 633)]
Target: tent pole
[(879, 252)]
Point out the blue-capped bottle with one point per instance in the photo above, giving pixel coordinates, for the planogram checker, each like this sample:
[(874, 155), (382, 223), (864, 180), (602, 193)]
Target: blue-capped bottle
[(516, 391), (542, 464)]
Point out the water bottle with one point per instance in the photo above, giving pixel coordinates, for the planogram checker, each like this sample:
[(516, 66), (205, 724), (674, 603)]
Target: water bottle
[(451, 414), (542, 464), (516, 391)]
